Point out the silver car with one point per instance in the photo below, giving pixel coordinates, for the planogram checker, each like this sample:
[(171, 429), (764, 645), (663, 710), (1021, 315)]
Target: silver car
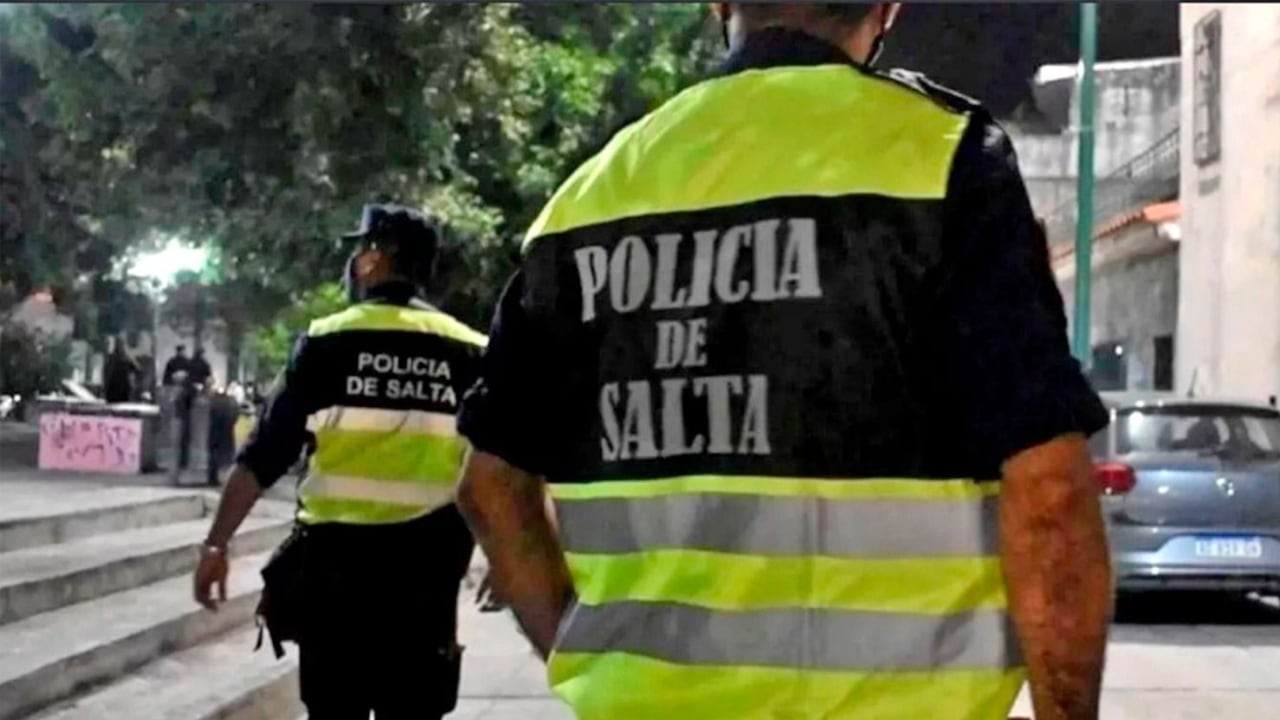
[(1191, 493)]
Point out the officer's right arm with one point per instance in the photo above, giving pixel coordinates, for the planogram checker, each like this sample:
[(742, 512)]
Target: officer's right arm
[(507, 419), (273, 447)]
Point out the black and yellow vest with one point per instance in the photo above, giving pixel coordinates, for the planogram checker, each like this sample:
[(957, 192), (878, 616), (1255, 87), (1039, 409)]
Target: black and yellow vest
[(387, 449), (761, 510)]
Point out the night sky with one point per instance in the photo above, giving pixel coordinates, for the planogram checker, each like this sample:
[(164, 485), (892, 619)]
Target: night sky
[(990, 50)]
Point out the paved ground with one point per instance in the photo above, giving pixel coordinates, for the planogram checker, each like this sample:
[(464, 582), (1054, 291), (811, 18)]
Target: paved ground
[(1190, 659), (1171, 661), (501, 678)]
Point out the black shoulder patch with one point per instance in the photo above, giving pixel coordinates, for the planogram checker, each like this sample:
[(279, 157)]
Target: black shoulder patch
[(919, 82)]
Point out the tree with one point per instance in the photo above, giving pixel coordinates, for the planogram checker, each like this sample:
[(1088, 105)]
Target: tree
[(259, 130), (44, 240), (30, 362), (272, 343)]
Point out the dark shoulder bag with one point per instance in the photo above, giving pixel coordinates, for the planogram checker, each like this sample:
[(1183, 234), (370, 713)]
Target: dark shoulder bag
[(279, 611)]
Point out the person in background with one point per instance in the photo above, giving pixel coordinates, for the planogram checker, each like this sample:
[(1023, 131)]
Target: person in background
[(201, 373), (221, 441), (119, 373), (177, 369), (184, 375), (377, 561)]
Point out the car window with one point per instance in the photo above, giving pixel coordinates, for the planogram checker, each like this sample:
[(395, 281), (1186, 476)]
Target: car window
[(1196, 429)]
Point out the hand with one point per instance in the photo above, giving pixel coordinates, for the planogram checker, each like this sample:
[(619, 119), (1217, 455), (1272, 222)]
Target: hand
[(485, 596), (212, 570)]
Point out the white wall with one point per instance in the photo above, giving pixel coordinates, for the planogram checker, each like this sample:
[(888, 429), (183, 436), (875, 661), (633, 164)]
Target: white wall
[(1229, 306), (1137, 104)]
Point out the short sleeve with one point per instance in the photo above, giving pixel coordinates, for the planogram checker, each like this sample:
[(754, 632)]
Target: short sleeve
[(510, 411), (280, 433), (1005, 352)]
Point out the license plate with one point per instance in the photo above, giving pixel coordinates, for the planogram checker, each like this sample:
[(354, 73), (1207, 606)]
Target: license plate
[(1248, 548)]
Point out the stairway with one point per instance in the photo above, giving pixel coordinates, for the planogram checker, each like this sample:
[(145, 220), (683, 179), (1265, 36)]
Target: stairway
[(97, 620)]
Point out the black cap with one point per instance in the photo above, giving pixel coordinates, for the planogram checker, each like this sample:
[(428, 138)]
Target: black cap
[(395, 222), (412, 236)]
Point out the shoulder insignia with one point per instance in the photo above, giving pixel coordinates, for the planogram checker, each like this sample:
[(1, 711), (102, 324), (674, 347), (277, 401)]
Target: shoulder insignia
[(919, 82)]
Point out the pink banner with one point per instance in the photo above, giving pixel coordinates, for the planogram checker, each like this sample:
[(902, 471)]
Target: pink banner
[(91, 443)]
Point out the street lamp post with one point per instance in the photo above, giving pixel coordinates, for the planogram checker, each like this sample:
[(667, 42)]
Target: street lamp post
[(1083, 322)]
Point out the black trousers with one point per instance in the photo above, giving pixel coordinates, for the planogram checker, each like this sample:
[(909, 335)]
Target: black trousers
[(379, 630)]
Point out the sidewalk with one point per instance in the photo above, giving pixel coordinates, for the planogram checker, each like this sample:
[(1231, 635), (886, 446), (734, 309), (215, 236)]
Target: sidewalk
[(502, 679)]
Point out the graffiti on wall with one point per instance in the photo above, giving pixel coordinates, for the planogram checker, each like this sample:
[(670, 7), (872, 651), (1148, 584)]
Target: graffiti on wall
[(90, 443)]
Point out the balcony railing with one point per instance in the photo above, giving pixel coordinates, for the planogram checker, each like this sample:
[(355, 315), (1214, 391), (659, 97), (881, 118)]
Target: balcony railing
[(1150, 176)]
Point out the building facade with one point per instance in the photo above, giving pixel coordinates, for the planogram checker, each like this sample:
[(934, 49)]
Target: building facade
[(1135, 264), (1229, 265), (1134, 298), (1136, 109)]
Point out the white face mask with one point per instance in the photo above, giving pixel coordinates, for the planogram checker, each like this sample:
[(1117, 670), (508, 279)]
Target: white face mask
[(877, 47)]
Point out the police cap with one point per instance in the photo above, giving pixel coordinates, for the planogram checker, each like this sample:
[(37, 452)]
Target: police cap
[(411, 236)]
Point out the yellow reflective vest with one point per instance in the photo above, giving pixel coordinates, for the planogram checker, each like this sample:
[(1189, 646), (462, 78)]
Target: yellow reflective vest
[(387, 448), (762, 519)]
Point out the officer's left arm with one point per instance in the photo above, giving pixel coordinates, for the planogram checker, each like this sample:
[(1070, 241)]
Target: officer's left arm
[(1025, 408)]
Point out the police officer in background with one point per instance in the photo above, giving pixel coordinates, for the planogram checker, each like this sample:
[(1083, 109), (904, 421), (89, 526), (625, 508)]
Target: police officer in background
[(383, 549), (789, 356)]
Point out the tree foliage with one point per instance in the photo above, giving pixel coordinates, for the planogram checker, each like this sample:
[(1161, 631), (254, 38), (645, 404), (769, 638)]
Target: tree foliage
[(273, 342), (31, 362), (259, 130)]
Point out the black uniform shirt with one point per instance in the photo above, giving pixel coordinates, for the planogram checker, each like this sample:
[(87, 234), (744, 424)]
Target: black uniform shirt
[(437, 541), (979, 337)]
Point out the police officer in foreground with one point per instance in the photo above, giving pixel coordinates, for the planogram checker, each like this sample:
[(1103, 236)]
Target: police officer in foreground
[(789, 358), (369, 585)]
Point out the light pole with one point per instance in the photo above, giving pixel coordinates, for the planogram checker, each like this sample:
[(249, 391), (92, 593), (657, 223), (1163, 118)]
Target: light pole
[(1083, 322)]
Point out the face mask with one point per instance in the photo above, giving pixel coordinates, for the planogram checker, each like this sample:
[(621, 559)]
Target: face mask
[(877, 46), (349, 280)]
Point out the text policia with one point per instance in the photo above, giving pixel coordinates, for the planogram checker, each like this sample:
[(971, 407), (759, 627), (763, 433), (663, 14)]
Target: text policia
[(630, 277), (412, 378)]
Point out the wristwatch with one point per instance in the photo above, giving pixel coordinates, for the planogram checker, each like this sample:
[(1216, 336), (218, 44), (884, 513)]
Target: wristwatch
[(212, 549)]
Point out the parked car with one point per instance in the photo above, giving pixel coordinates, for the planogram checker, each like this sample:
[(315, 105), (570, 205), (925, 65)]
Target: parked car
[(9, 406), (1191, 493)]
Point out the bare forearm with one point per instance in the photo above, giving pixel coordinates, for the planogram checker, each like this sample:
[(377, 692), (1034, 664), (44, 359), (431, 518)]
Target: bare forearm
[(505, 509), (1053, 546), (238, 498)]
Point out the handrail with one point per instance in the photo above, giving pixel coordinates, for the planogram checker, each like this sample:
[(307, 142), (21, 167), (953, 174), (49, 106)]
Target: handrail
[(1146, 177)]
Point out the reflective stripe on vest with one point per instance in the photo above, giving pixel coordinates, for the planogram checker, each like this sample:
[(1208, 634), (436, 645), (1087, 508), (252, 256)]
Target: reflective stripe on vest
[(380, 466), (375, 466), (741, 582)]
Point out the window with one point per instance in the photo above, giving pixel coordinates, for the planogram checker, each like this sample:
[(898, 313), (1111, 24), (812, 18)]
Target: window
[(1204, 430), (1109, 367), (1207, 136), (1163, 371)]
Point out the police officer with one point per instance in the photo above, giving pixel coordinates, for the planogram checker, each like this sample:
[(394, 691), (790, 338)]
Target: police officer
[(375, 388), (790, 359)]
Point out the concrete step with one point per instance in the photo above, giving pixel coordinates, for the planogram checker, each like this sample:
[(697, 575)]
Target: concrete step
[(219, 680), (49, 657), (41, 579), (59, 519)]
